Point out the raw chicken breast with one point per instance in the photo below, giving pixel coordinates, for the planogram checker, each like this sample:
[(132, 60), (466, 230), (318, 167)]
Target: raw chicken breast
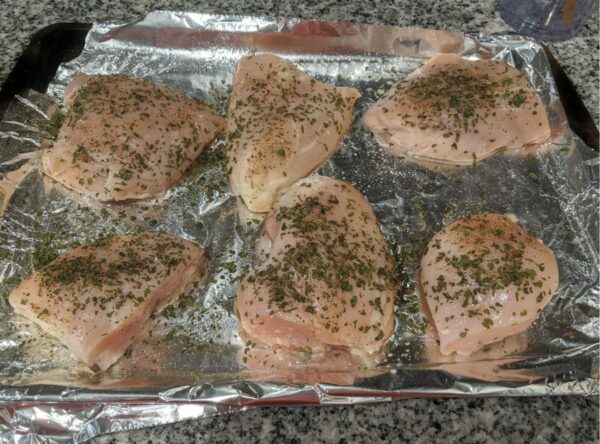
[(96, 299), (324, 276), (282, 125), (484, 279), (457, 111), (126, 138)]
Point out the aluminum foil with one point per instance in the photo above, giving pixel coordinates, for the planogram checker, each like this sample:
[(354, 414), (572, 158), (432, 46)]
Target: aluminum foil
[(188, 368)]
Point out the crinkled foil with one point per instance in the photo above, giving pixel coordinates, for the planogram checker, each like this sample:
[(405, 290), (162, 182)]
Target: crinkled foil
[(188, 368)]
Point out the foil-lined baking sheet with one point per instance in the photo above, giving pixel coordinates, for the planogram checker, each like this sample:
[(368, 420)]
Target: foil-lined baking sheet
[(188, 367)]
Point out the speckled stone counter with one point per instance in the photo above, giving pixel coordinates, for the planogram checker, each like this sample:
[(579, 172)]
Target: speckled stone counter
[(538, 420)]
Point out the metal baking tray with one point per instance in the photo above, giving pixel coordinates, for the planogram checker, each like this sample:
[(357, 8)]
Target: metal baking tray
[(45, 408)]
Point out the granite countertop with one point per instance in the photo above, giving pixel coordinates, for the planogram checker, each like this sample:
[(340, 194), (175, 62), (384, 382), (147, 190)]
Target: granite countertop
[(555, 419)]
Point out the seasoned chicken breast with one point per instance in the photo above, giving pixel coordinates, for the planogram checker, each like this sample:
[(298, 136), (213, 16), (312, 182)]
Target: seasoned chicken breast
[(324, 276), (282, 125), (457, 111), (484, 279), (97, 298), (126, 138)]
